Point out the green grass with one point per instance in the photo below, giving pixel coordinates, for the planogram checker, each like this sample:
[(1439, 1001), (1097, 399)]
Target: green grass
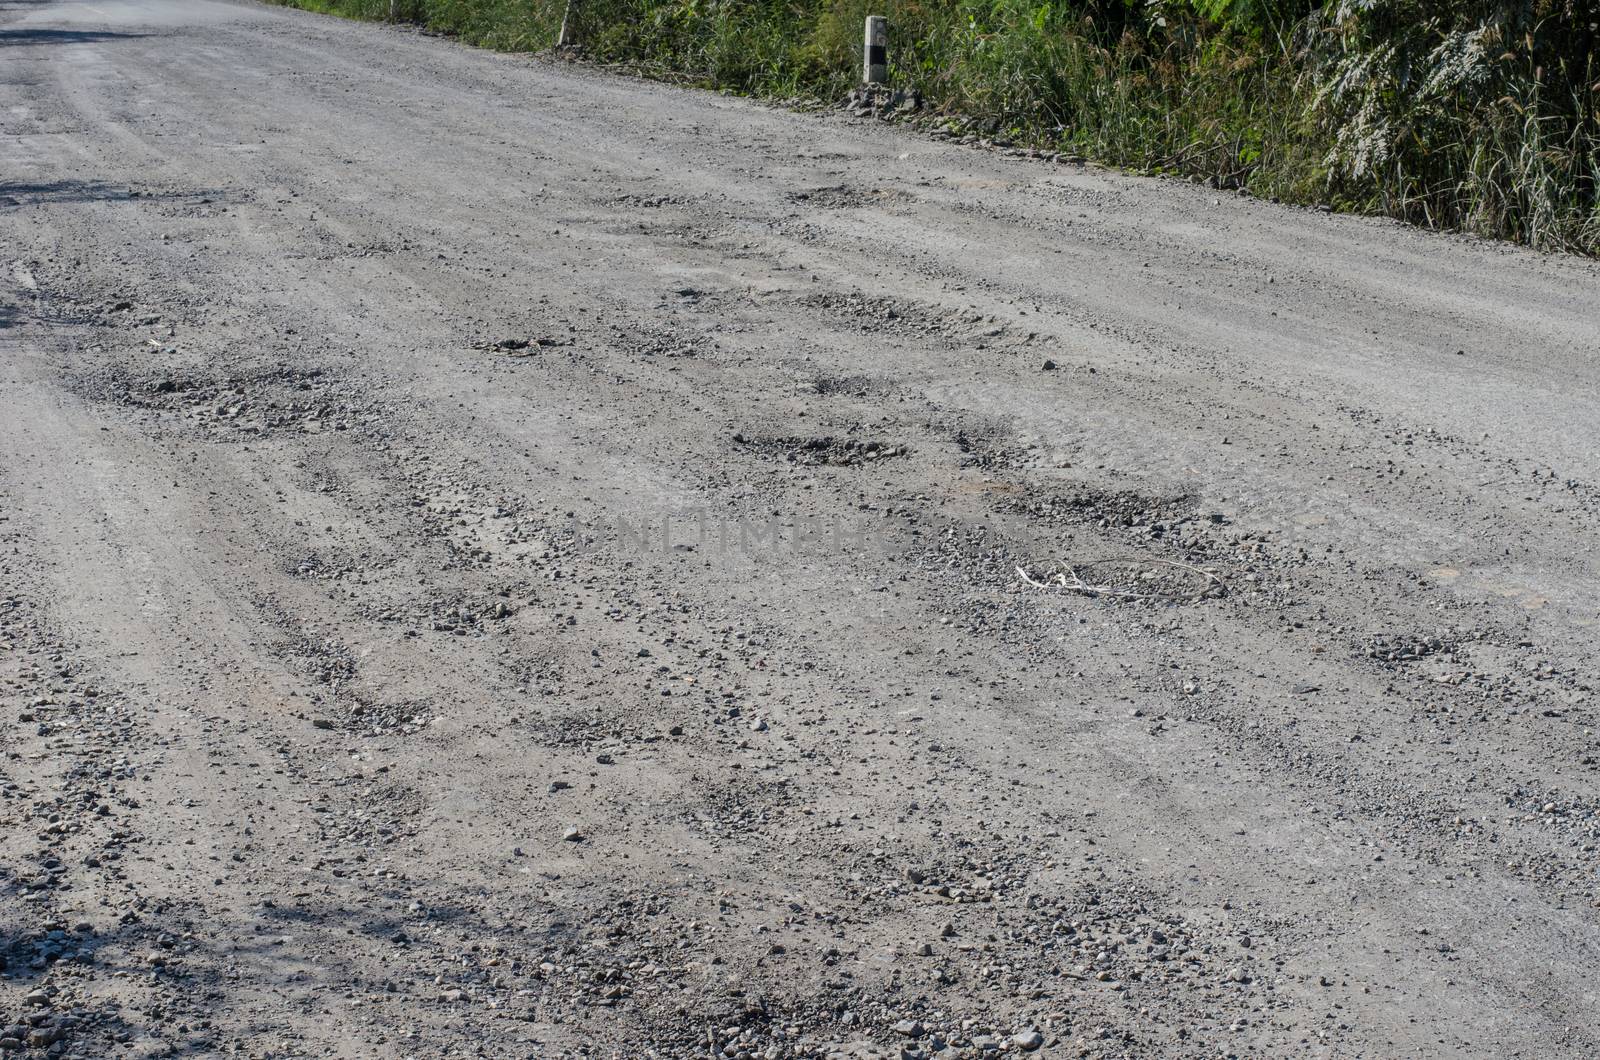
[(1483, 119)]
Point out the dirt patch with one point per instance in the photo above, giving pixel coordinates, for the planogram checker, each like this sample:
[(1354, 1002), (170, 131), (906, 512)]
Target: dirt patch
[(903, 316)]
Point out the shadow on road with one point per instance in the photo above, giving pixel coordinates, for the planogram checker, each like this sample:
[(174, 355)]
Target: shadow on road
[(15, 195), (21, 38)]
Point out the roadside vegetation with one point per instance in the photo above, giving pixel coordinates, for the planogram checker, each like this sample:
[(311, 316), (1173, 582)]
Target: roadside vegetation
[(1482, 116)]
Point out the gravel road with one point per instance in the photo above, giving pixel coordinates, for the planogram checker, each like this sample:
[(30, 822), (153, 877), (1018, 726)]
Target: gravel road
[(501, 559)]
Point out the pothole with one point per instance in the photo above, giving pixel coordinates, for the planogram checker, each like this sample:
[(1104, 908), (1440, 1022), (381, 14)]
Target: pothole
[(843, 197), (245, 404), (822, 449)]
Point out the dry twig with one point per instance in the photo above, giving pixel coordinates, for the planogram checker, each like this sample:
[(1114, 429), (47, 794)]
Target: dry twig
[(1068, 578)]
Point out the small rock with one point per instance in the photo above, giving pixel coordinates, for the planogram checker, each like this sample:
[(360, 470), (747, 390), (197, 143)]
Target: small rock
[(572, 834), (1028, 1040)]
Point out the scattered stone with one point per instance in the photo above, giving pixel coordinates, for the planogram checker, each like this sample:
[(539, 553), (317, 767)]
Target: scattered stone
[(1028, 1040)]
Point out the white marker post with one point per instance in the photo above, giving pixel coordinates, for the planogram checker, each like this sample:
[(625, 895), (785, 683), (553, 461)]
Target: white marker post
[(875, 59)]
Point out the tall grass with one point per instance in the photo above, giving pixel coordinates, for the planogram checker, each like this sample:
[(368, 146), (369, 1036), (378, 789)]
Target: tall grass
[(1479, 116), (1482, 114)]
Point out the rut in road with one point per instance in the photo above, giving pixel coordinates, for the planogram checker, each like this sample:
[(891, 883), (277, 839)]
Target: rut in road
[(504, 559)]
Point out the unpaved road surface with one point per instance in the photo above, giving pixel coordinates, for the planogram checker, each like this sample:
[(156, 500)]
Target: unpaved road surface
[(498, 559)]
